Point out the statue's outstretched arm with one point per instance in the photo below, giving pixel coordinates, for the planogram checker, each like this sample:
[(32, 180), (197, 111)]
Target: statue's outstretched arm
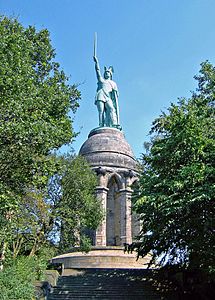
[(97, 68)]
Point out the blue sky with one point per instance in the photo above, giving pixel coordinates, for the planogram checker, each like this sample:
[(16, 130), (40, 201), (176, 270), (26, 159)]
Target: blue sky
[(155, 46)]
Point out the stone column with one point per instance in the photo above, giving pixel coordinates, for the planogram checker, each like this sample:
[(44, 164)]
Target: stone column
[(125, 216), (101, 194)]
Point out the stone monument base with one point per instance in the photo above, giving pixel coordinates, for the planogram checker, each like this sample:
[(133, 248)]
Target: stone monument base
[(101, 258)]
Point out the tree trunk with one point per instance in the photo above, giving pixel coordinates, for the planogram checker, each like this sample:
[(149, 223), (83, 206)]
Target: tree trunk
[(17, 246), (2, 257)]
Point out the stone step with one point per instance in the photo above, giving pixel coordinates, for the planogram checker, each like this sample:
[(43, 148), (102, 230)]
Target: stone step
[(106, 288), (89, 280), (96, 291), (58, 294), (103, 296), (104, 271), (103, 291), (103, 288), (114, 278), (130, 297), (106, 297)]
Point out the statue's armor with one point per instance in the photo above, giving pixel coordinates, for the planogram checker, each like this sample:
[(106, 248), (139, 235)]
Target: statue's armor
[(104, 89)]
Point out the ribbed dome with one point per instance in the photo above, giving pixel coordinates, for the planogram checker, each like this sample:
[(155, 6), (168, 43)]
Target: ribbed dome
[(108, 147)]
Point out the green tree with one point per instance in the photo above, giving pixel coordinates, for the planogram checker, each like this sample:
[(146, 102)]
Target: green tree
[(79, 210), (176, 202), (64, 211), (35, 99), (34, 222)]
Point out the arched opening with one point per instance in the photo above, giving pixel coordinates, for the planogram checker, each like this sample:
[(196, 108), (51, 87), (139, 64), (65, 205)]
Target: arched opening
[(113, 213)]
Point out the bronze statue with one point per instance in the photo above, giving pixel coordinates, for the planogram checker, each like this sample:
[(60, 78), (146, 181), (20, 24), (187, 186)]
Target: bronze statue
[(106, 96)]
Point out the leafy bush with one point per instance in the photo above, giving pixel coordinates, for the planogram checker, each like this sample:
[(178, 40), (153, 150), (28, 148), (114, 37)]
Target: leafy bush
[(17, 279)]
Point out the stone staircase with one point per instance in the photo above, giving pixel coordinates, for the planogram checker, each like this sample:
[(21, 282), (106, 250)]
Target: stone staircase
[(103, 284)]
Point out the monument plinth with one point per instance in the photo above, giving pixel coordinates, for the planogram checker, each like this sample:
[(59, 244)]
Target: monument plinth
[(110, 155)]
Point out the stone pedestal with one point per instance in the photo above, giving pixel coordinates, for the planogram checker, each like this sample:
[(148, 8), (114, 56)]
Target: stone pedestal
[(109, 257), (109, 154)]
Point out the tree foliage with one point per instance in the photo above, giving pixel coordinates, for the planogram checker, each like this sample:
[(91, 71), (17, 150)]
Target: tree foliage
[(18, 278), (79, 210), (176, 202), (35, 99)]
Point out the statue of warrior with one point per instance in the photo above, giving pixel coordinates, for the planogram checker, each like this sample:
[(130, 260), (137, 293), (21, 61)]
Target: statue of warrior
[(106, 97)]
